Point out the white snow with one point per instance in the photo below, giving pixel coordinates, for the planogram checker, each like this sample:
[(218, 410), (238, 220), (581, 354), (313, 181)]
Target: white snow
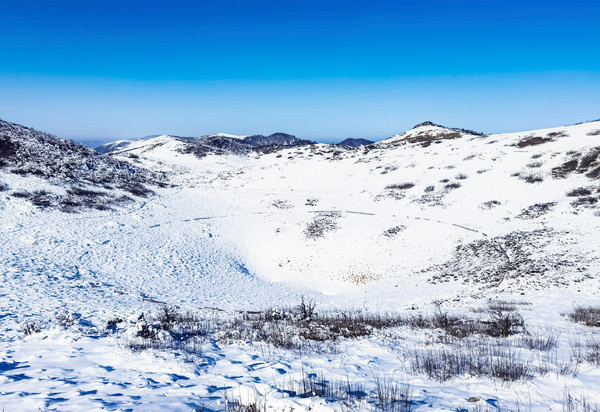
[(232, 235)]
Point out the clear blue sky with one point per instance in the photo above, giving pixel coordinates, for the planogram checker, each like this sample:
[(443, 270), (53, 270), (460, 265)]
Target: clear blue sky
[(102, 70)]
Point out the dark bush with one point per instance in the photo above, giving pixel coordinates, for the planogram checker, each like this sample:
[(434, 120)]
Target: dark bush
[(587, 350), (481, 360), (565, 169), (400, 186), (490, 204), (531, 177), (539, 342), (533, 141), (393, 231), (580, 191), (586, 200), (65, 318), (21, 194), (504, 324), (587, 315), (82, 192), (136, 189), (167, 317), (43, 199), (453, 185), (323, 223), (31, 327)]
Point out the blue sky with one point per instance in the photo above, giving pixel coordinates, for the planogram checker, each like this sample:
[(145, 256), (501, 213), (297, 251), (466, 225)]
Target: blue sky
[(320, 70)]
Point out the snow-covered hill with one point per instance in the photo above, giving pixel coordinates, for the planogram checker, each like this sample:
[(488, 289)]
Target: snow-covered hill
[(409, 209), (431, 218), (56, 173), (219, 143)]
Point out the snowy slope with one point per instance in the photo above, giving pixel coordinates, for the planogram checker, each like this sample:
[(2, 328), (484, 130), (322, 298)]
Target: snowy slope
[(429, 215), (403, 210)]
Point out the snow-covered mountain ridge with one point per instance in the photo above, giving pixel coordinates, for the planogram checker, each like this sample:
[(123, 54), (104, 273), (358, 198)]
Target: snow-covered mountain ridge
[(219, 143)]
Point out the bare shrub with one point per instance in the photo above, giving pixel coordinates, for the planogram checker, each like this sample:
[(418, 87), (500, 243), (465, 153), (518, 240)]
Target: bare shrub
[(393, 231), (589, 159), (497, 324), (490, 204), (306, 309), (400, 186), (504, 324), (497, 305), (587, 350), (281, 204), (538, 341), (461, 176), (112, 325), (167, 317), (453, 185), (21, 194), (587, 315), (531, 177), (393, 396), (537, 210), (580, 191), (560, 133), (238, 405), (147, 331), (479, 359), (84, 192), (386, 395), (323, 223), (31, 327), (565, 169), (585, 201), (573, 403), (535, 165), (299, 327), (429, 189), (65, 319), (533, 141), (136, 189)]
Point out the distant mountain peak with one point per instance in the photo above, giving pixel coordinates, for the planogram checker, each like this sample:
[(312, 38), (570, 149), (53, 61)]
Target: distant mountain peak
[(455, 129), (428, 123)]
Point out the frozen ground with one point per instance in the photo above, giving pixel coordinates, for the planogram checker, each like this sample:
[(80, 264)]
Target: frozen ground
[(422, 219)]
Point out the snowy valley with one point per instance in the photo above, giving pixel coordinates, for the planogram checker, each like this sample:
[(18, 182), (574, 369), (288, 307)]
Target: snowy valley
[(438, 269)]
